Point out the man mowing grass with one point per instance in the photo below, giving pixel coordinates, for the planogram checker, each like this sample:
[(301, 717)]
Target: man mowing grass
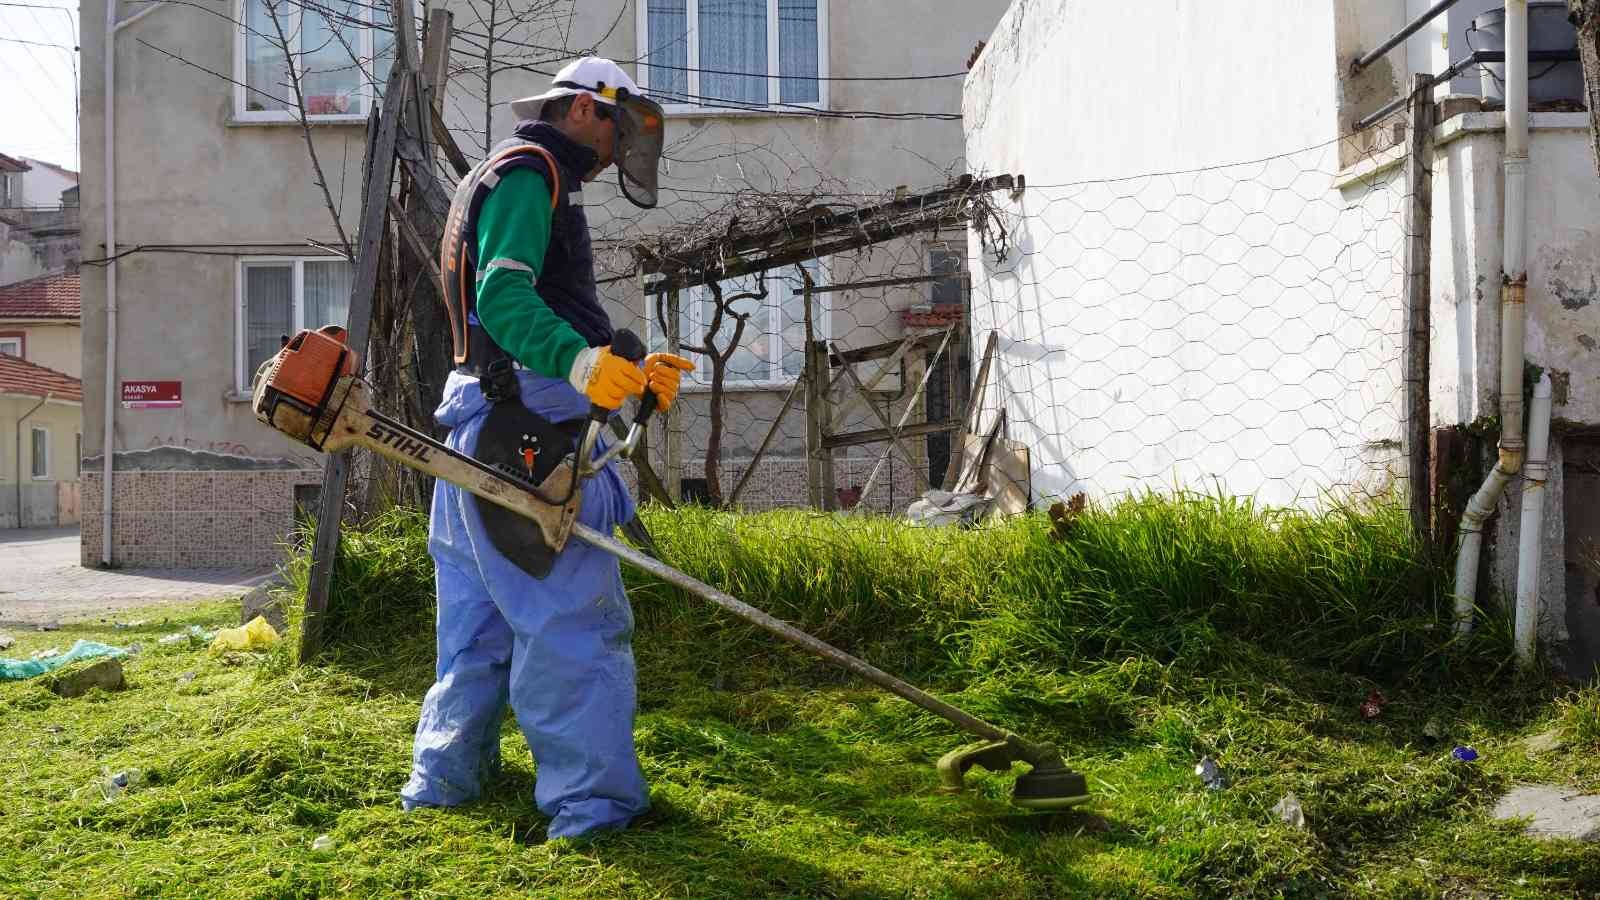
[(548, 634)]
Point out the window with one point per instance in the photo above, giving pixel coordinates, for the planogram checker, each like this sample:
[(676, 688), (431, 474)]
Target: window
[(772, 349), (342, 51), (278, 297), (949, 290), (734, 54), (11, 346), (41, 453)]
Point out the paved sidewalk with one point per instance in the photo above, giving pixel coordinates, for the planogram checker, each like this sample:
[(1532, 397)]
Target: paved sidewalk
[(41, 581)]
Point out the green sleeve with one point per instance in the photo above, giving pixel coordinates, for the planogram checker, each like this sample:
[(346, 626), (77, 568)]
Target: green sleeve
[(514, 225)]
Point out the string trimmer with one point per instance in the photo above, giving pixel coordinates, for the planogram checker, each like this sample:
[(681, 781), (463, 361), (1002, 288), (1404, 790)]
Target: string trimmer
[(309, 392)]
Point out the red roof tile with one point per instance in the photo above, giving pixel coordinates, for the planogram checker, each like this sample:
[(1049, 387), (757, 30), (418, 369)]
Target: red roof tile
[(45, 297), (18, 376)]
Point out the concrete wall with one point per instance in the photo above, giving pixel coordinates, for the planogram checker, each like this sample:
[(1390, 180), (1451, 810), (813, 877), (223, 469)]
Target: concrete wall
[(1563, 252), (1563, 323), (42, 185), (47, 501), (189, 175), (1227, 326), (54, 345)]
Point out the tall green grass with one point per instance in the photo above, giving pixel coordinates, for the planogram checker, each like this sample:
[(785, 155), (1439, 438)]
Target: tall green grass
[(1137, 638), (1165, 577)]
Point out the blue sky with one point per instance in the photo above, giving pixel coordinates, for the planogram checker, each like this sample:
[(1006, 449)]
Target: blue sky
[(38, 87)]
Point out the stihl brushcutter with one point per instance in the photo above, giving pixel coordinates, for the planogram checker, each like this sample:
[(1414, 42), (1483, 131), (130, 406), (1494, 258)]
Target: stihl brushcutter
[(310, 392)]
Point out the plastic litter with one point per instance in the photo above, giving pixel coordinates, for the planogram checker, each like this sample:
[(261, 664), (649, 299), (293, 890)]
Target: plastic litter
[(1464, 754), (1210, 773), (1290, 811), (323, 844), (258, 634), (1373, 705), (135, 648), (186, 677), (192, 633), (113, 785), (46, 654), (50, 626), (6, 641), (123, 625), (19, 669)]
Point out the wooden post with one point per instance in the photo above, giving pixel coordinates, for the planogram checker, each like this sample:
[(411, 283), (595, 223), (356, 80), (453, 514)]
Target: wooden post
[(974, 404), (335, 473), (675, 424), (1418, 226)]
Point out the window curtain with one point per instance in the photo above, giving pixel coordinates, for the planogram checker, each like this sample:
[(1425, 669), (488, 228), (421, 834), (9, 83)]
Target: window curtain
[(269, 312), (669, 47), (328, 286), (266, 68), (733, 38), (797, 51)]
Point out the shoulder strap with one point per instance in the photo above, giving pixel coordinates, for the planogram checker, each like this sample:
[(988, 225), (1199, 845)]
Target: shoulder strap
[(491, 177)]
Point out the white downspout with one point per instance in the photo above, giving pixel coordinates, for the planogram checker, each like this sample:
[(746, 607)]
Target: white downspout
[(110, 90), (1534, 477), (1513, 297), (109, 421)]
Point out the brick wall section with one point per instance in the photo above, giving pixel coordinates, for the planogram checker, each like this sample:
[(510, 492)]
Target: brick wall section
[(194, 519), (781, 481)]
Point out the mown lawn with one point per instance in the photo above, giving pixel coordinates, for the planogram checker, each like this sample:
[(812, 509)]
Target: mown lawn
[(1138, 638)]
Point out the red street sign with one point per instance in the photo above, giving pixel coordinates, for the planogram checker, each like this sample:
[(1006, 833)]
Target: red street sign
[(152, 394)]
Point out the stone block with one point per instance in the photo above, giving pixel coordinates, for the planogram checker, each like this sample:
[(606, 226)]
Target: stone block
[(105, 674)]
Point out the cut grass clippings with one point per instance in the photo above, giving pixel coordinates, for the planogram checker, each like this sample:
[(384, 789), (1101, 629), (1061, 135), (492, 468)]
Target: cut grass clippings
[(1138, 638)]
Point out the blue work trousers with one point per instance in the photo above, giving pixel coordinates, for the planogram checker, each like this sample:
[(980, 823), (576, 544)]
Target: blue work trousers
[(557, 650)]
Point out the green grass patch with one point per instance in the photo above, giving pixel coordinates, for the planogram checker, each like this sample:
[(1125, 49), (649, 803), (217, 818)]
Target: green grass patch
[(1147, 635)]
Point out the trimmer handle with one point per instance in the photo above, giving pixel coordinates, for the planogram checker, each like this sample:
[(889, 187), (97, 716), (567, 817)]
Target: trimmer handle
[(626, 344)]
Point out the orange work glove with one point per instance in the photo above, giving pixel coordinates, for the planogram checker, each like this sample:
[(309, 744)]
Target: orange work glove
[(606, 378), (662, 371)]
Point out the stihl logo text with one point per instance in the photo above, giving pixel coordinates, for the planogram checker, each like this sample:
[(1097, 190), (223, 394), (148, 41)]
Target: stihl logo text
[(406, 444)]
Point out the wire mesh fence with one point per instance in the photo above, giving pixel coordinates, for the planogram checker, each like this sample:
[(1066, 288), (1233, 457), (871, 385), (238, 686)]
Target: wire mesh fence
[(1236, 329)]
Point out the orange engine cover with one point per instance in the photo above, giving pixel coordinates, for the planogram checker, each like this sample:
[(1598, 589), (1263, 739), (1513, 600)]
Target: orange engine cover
[(310, 363)]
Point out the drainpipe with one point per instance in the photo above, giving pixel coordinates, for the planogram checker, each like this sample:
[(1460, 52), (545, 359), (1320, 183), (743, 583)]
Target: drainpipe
[(1534, 477), (19, 452), (109, 420), (1513, 297)]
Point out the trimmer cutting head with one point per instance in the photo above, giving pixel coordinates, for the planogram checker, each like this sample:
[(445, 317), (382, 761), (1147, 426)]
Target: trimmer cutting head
[(1050, 785)]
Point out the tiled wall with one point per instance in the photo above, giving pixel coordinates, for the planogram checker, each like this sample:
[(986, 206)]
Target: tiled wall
[(781, 481), (194, 519)]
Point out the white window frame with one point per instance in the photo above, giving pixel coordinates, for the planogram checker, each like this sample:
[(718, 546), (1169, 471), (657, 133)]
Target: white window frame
[(692, 63), (291, 24), (33, 463), (700, 379), (241, 317), (11, 340)]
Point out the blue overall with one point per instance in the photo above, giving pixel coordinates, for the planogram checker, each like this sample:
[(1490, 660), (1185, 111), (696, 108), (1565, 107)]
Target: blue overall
[(557, 650)]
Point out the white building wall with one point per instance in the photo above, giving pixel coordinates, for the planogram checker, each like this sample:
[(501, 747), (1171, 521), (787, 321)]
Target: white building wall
[(1212, 326)]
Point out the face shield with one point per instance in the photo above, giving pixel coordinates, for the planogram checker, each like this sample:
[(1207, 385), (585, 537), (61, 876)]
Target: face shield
[(641, 130), (640, 135)]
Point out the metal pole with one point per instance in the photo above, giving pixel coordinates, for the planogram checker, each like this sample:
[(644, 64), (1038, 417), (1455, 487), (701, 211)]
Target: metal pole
[(1395, 39), (789, 633), (25, 417)]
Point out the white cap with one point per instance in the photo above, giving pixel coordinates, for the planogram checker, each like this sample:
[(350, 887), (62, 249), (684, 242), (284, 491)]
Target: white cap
[(591, 72)]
